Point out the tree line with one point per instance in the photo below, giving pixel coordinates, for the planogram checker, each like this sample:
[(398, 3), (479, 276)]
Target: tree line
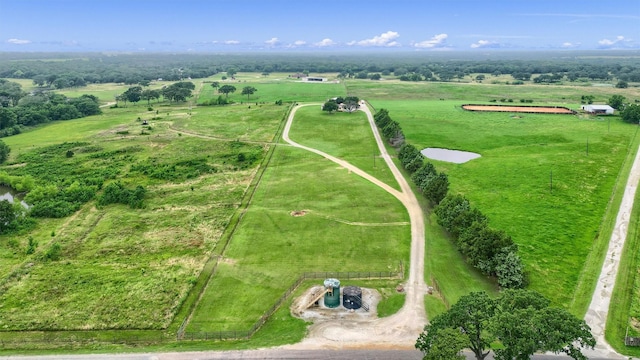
[(19, 109), (489, 250), (176, 92), (73, 70)]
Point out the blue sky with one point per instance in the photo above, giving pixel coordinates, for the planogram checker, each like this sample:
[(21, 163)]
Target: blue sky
[(310, 25)]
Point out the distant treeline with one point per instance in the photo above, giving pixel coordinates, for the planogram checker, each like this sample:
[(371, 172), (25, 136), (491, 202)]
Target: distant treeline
[(76, 69)]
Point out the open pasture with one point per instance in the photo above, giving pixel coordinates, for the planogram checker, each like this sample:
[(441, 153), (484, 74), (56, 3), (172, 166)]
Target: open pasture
[(556, 95), (269, 91), (534, 180)]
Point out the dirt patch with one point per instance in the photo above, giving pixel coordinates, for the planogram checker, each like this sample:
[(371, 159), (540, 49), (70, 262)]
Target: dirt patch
[(297, 213), (520, 109)]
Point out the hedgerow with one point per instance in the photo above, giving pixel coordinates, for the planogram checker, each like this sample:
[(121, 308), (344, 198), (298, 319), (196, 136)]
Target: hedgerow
[(491, 251)]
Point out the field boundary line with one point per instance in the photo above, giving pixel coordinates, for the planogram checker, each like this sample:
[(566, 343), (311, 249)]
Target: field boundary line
[(236, 218)]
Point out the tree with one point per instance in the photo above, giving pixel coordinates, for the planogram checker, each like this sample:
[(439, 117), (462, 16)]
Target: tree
[(524, 324), (330, 106), (4, 151), (622, 84), (471, 315), (480, 244), (226, 89), (520, 320), (179, 91), (8, 117), (215, 84), (455, 214), (587, 99), (421, 176), (435, 187), (631, 114), (149, 95), (509, 269), (248, 90), (351, 103), (39, 80), (11, 91), (617, 101), (87, 105), (7, 216), (447, 345), (231, 72)]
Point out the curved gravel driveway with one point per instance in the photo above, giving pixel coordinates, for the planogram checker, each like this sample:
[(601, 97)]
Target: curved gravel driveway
[(402, 329)]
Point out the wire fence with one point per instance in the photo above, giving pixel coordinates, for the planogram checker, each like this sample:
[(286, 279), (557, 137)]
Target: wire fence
[(75, 338), (231, 335), (436, 287)]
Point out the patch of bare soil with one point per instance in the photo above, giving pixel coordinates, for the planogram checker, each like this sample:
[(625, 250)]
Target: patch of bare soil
[(297, 213)]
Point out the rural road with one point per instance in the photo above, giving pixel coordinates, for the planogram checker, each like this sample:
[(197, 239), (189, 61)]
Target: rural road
[(402, 329), (598, 310)]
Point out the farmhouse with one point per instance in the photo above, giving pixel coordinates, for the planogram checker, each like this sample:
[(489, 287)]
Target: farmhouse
[(598, 109)]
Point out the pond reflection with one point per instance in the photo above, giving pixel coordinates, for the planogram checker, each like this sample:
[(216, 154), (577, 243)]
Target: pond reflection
[(452, 156), (7, 193)]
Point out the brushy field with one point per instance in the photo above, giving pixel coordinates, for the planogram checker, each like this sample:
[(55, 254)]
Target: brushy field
[(122, 268), (522, 154)]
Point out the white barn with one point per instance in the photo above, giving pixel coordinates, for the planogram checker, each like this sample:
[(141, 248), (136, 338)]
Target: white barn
[(598, 109)]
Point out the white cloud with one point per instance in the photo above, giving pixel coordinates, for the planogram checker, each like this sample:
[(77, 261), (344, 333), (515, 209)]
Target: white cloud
[(606, 43), (570, 45), (19, 41), (351, 43), (232, 42), (385, 39), (436, 41), (485, 44), (299, 43), (325, 42), (272, 42)]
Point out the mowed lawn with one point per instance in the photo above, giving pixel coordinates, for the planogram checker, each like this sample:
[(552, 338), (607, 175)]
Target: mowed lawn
[(349, 225), (535, 180), (347, 136)]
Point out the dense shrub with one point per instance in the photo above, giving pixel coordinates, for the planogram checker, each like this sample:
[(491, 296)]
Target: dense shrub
[(116, 193), (4, 151)]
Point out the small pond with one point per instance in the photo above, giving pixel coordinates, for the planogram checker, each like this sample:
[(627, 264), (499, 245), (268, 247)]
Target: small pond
[(452, 156), (7, 193)]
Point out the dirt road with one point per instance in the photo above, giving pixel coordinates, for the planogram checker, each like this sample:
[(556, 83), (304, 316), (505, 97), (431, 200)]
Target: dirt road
[(598, 311), (402, 329)]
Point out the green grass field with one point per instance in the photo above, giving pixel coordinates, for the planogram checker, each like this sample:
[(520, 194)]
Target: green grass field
[(271, 248), (510, 183), (270, 90), (124, 268)]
